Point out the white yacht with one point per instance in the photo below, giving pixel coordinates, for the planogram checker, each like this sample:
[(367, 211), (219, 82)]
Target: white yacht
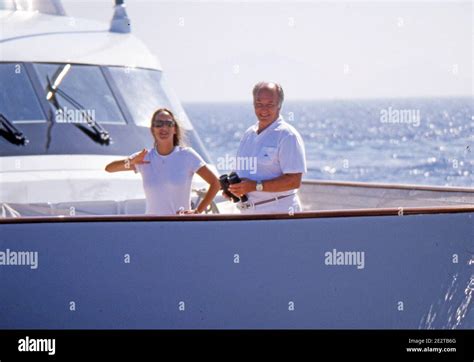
[(76, 250)]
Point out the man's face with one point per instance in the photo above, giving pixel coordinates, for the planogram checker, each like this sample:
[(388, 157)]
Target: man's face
[(266, 105)]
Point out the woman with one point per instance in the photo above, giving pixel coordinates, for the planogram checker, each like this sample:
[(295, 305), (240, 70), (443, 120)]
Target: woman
[(167, 169)]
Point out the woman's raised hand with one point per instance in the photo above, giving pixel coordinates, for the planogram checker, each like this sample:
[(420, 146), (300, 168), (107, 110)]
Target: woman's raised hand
[(139, 159)]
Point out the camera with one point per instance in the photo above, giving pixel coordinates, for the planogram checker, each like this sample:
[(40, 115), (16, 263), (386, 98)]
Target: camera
[(226, 181)]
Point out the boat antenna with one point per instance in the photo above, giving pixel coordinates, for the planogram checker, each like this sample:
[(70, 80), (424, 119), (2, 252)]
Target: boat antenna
[(120, 22)]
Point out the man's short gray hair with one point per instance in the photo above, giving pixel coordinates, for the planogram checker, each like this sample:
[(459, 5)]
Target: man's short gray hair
[(268, 85)]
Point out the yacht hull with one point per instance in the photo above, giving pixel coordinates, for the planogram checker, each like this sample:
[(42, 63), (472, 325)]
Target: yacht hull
[(232, 272)]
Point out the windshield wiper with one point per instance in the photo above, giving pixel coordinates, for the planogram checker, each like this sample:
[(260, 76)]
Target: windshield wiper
[(13, 134), (54, 89)]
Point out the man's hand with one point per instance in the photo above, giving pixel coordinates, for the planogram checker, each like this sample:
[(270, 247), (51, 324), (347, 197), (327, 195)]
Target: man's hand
[(227, 197), (243, 187)]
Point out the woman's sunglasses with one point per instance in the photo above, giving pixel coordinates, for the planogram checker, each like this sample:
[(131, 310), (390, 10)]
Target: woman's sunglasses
[(160, 124)]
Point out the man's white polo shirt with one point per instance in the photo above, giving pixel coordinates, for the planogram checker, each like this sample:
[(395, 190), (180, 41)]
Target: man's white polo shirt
[(278, 149)]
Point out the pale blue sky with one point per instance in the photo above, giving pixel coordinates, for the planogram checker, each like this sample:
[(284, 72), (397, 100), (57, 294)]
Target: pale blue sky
[(216, 51)]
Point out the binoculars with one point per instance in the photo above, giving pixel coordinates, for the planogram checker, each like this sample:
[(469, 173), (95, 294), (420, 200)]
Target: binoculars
[(230, 179)]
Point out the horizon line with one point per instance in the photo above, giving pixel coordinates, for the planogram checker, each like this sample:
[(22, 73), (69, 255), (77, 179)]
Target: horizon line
[(337, 99)]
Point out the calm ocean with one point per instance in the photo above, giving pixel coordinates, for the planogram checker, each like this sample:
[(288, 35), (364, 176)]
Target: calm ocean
[(414, 141)]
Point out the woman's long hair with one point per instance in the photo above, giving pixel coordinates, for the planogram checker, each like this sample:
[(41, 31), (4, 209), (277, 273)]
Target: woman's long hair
[(178, 137)]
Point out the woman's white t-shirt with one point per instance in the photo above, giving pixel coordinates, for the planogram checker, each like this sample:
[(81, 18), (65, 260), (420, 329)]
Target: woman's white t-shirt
[(167, 179)]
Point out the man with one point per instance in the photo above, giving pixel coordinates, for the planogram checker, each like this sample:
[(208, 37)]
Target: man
[(279, 150)]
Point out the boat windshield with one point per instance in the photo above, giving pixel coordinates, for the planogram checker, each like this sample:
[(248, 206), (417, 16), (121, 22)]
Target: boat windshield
[(109, 93), (144, 91), (87, 85), (18, 101)]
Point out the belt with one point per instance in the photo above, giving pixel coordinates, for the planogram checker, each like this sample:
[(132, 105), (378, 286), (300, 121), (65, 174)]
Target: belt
[(249, 204)]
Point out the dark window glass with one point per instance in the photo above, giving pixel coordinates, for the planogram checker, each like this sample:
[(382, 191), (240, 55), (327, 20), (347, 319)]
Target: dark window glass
[(18, 101), (86, 85)]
